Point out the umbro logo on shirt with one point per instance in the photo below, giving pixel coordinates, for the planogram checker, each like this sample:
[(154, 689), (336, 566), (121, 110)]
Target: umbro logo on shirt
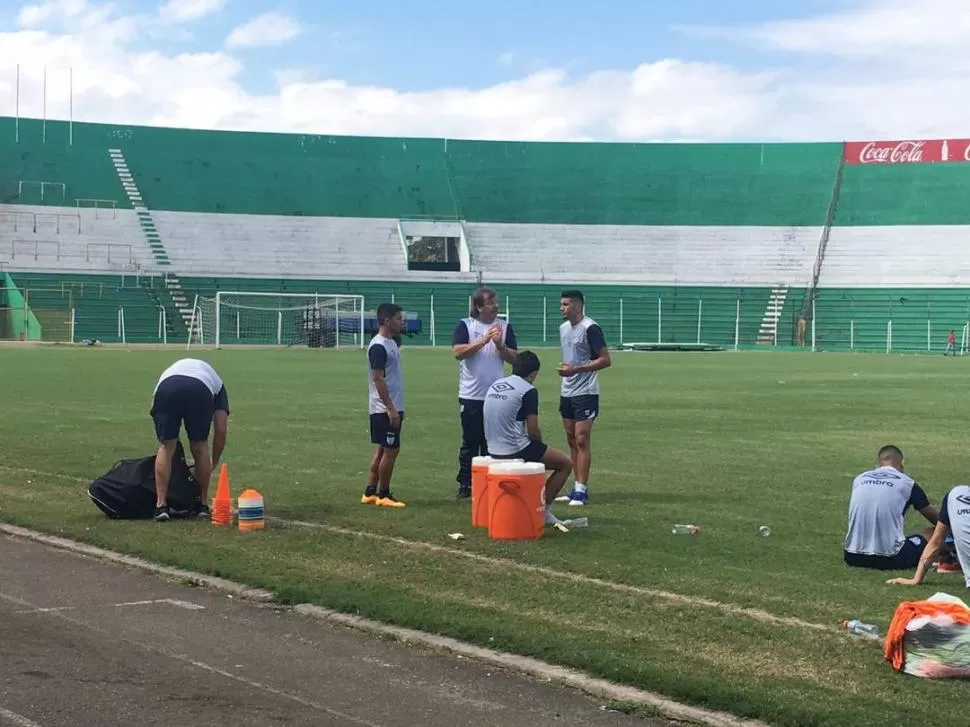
[(503, 386)]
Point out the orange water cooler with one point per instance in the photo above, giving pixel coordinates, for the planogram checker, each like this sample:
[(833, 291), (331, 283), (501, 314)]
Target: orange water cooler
[(480, 498), (517, 503)]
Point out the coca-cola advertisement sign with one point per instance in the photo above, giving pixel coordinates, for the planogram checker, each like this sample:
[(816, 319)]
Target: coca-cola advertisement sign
[(912, 151)]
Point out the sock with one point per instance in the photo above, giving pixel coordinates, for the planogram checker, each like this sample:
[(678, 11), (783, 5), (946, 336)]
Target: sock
[(550, 518), (579, 487)]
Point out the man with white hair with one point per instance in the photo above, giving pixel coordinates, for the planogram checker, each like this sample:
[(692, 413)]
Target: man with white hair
[(482, 343)]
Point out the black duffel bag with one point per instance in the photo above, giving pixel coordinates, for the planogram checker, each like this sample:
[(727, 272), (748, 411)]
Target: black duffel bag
[(127, 490)]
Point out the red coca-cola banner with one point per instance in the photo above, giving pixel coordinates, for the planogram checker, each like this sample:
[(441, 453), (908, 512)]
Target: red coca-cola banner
[(925, 151)]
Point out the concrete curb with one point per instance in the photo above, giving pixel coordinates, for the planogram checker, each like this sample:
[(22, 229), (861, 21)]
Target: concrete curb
[(596, 687), (214, 582)]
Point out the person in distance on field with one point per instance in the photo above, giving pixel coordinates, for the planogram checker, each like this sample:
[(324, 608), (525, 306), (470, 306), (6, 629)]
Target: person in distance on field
[(482, 343), (877, 507), (511, 413), (385, 404), (584, 353), (954, 518), (188, 391)]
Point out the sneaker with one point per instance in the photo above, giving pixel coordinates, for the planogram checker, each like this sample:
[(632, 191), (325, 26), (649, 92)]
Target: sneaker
[(578, 498), (574, 498), (370, 496), (203, 512), (389, 500), (464, 493), (162, 514)]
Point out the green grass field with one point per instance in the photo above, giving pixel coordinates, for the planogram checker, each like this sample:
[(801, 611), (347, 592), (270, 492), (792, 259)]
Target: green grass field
[(728, 441)]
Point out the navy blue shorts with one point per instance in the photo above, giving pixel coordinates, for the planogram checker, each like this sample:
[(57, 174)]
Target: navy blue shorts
[(533, 452), (906, 559), (184, 399), (582, 408), (382, 433)]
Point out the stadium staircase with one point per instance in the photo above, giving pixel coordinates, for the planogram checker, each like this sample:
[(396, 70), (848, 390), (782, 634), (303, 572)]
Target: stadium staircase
[(768, 333), (154, 240)]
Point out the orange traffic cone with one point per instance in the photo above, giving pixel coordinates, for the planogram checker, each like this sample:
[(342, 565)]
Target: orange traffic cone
[(222, 502)]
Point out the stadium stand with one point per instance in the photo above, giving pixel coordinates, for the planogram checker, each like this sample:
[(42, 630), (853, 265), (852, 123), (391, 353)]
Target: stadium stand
[(673, 243)]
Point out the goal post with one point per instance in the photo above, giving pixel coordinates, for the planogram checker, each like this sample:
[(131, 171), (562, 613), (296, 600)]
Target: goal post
[(312, 320)]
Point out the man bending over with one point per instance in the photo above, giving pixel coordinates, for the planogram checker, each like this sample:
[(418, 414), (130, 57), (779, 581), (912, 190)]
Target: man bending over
[(188, 391)]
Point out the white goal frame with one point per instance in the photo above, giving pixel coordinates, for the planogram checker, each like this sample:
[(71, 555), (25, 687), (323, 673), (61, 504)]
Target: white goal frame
[(209, 313)]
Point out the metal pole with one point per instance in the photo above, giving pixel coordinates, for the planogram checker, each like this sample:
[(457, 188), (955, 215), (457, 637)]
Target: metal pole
[(621, 319), (433, 339), (660, 305), (70, 104), (44, 126), (737, 323), (73, 323), (700, 309), (218, 319), (279, 328), (16, 127)]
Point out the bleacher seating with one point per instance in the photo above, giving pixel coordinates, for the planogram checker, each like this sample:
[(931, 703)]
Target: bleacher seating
[(671, 230), (96, 239)]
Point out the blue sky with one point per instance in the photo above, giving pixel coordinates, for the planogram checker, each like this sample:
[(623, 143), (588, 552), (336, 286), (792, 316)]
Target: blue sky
[(650, 70)]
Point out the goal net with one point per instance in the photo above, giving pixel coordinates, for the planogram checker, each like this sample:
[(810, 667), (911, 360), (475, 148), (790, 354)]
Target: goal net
[(313, 320)]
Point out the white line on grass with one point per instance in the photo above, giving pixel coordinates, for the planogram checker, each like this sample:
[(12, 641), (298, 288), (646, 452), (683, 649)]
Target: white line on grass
[(753, 613), (18, 720)]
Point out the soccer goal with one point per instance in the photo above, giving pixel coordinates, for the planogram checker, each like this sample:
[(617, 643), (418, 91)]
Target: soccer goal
[(313, 320)]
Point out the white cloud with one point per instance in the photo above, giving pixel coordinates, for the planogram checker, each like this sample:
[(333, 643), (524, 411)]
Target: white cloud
[(267, 29), (183, 11), (880, 29), (33, 15), (859, 76)]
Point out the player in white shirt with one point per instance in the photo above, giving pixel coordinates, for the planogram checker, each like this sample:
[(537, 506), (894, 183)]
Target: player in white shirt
[(482, 343), (955, 519), (584, 353), (385, 404), (511, 414), (877, 508), (190, 392)]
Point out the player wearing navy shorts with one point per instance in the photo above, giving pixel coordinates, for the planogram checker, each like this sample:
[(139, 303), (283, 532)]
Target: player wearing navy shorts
[(385, 404), (511, 414), (877, 508), (190, 392), (584, 354)]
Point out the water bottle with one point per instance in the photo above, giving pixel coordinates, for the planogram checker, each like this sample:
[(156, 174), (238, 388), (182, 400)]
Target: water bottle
[(855, 626), (685, 529), (764, 531)]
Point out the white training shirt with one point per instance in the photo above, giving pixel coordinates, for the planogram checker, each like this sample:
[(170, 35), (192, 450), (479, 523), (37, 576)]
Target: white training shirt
[(880, 498), (196, 369), (955, 514), (484, 367)]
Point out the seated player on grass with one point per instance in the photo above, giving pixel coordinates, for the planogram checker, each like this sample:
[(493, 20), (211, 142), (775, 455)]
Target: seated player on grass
[(955, 519), (511, 414), (877, 508)]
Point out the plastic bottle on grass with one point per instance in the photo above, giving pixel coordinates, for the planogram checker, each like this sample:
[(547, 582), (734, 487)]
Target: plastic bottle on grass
[(685, 529), (855, 626)]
